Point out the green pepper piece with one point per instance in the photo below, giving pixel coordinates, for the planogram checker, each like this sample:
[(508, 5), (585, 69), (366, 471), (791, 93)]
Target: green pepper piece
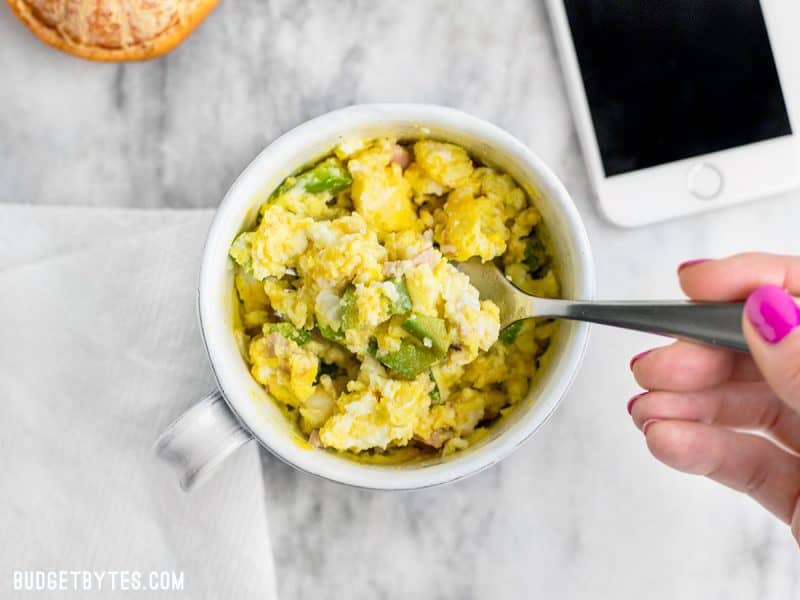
[(403, 302), (410, 360), (424, 327), (510, 333), (240, 251), (435, 394), (287, 330), (348, 310), (536, 257), (329, 333), (328, 176)]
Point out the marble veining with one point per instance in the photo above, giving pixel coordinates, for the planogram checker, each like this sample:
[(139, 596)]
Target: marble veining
[(581, 510)]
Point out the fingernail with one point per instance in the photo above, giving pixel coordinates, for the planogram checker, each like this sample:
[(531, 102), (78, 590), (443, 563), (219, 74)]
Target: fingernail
[(691, 263), (647, 424), (633, 400), (773, 312), (637, 357)]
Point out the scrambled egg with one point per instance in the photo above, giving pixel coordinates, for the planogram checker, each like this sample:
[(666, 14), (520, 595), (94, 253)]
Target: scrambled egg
[(353, 317)]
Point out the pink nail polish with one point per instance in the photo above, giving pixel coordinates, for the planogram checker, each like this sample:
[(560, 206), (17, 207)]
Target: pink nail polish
[(637, 357), (691, 263), (647, 424), (773, 312), (633, 400)]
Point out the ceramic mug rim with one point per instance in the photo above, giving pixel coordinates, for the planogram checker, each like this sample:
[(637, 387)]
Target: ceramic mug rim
[(281, 159)]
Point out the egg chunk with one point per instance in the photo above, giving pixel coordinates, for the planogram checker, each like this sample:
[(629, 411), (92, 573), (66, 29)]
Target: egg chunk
[(380, 192)]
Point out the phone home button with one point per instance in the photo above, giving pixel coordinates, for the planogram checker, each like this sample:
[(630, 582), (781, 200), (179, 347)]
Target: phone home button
[(705, 181)]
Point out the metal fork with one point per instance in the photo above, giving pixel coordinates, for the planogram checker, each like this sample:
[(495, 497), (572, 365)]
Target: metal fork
[(715, 323)]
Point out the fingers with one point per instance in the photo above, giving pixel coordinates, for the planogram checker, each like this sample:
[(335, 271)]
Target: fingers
[(702, 393), (772, 328), (744, 368), (744, 462), (686, 366), (733, 278), (738, 405)]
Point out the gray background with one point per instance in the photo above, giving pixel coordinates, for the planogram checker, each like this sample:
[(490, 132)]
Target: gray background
[(582, 510)]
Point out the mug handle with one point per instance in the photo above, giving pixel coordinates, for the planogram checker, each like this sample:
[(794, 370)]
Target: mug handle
[(198, 441)]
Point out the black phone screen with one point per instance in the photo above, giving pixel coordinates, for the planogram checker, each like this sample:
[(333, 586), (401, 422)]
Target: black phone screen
[(672, 79)]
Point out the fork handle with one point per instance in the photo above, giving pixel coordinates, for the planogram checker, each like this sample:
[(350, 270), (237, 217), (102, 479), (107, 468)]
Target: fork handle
[(718, 324)]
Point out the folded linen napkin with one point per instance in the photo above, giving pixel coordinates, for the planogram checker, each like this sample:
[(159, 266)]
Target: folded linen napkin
[(99, 351)]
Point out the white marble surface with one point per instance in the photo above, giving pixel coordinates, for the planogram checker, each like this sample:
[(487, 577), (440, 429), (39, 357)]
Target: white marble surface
[(581, 510)]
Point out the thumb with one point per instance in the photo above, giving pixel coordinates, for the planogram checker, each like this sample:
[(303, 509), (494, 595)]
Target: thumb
[(771, 326)]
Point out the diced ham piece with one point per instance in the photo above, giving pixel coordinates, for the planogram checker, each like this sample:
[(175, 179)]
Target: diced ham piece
[(393, 268), (428, 257), (401, 156), (276, 345), (438, 438)]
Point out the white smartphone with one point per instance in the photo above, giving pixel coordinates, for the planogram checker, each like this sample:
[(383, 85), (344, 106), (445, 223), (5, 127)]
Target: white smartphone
[(678, 103)]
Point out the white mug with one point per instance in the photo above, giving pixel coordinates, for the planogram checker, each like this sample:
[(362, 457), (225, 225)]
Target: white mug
[(242, 410)]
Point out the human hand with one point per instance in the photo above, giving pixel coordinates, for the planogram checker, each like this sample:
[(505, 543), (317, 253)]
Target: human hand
[(702, 401)]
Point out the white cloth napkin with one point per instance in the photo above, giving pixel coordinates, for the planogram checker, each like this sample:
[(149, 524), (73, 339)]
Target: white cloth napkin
[(99, 351)]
